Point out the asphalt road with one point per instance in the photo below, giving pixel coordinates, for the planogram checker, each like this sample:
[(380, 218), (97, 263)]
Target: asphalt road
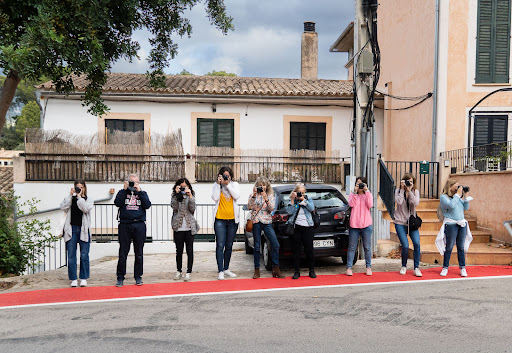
[(450, 316)]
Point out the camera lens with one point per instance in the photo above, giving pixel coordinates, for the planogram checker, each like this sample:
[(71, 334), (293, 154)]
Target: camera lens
[(465, 188), (259, 189), (362, 185), (77, 189), (408, 183), (299, 194), (131, 184), (225, 177)]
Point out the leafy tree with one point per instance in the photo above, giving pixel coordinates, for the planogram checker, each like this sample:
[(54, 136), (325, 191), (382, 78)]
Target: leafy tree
[(61, 38), (185, 72), (9, 139), (30, 117), (220, 73)]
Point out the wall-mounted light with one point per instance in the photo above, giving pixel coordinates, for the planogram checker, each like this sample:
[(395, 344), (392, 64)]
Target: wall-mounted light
[(214, 107), (446, 162)]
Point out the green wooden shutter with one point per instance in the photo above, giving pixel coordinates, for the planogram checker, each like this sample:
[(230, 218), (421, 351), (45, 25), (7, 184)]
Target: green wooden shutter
[(484, 42), (205, 132), (493, 41), (225, 133), (502, 42)]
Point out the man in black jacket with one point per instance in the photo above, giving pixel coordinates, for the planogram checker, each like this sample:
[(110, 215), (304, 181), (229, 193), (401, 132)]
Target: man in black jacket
[(132, 203)]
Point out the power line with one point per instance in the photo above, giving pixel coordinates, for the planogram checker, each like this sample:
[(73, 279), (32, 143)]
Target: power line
[(406, 98), (415, 104)]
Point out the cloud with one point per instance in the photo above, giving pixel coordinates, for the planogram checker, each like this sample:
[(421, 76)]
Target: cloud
[(265, 43)]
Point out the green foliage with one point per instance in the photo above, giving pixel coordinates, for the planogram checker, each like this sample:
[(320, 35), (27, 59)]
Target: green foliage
[(185, 73), (9, 139), (56, 38), (25, 92), (21, 242), (220, 73), (30, 117)]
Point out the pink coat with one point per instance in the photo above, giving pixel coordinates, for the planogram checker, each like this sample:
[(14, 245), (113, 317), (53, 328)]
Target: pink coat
[(360, 216)]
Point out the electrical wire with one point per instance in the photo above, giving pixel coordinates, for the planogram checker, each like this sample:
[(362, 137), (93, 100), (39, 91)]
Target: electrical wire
[(417, 98), (411, 106)]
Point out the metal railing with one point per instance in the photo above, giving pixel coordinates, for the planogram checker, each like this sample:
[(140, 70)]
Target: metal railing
[(55, 169), (276, 169), (427, 186), (387, 188), (52, 258), (104, 224), (483, 158)]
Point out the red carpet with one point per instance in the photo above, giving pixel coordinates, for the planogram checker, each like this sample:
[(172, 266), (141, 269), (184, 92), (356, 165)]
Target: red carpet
[(67, 295)]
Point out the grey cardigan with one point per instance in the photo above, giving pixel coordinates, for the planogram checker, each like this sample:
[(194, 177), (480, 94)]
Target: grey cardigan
[(403, 212), (85, 206), (185, 208)]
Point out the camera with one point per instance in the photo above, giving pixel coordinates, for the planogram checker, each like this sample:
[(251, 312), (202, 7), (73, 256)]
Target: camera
[(225, 177), (407, 182), (299, 194), (182, 189), (131, 186), (259, 189), (465, 188), (362, 186), (78, 190)]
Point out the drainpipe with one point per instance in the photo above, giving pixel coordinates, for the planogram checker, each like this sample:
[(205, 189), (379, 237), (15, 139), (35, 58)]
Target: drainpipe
[(435, 93)]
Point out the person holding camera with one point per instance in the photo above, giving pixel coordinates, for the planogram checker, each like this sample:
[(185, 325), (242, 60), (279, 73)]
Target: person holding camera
[(407, 198), (361, 201), (132, 203), (301, 209), (455, 229), (184, 225), (77, 230), (225, 193), (261, 203)]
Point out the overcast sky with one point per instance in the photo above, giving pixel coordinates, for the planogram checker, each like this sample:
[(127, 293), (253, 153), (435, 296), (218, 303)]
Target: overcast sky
[(265, 42)]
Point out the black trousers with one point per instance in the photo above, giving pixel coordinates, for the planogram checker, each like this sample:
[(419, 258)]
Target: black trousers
[(181, 239), (129, 232), (303, 236)]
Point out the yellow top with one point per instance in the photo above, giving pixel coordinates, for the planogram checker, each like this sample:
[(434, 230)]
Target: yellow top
[(225, 210)]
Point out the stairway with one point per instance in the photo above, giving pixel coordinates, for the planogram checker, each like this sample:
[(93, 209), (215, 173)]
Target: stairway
[(481, 251)]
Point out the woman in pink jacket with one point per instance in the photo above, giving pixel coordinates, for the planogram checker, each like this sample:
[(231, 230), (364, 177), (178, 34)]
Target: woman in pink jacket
[(361, 201)]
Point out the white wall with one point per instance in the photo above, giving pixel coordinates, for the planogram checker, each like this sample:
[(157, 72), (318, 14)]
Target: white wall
[(71, 115)]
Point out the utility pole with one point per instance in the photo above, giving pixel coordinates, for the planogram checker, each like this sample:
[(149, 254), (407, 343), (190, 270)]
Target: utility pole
[(363, 67)]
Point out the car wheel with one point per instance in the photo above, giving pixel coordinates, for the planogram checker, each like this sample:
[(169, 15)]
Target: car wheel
[(267, 260), (248, 249)]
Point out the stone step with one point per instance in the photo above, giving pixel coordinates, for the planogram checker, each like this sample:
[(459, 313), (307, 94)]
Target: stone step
[(428, 237), (478, 254)]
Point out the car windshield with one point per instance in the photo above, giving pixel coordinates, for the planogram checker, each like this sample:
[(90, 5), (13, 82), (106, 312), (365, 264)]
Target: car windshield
[(321, 199)]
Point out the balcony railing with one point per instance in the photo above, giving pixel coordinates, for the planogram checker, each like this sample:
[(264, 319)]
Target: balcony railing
[(484, 158), (103, 168), (277, 169)]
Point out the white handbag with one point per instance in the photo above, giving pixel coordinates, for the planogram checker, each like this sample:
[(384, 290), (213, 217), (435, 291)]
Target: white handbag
[(59, 231)]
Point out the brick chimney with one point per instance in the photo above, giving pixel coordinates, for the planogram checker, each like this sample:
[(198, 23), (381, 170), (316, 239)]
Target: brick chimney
[(309, 52)]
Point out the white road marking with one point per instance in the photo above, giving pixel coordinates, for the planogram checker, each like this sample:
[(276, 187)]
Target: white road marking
[(252, 291)]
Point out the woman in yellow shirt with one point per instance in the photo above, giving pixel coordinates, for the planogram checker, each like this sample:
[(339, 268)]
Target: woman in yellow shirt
[(225, 193)]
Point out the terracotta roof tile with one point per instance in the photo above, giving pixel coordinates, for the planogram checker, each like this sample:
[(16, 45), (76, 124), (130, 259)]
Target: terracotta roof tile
[(219, 85), (6, 179)]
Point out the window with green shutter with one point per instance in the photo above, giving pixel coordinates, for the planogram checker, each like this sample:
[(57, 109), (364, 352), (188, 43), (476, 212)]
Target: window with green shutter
[(216, 132), (493, 41), (307, 136)]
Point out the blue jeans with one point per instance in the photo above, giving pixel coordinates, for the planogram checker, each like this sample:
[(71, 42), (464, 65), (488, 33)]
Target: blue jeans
[(271, 235), (454, 234), (84, 254), (225, 232), (353, 238), (401, 231)]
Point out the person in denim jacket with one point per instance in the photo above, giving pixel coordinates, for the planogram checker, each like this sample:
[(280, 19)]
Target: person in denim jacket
[(300, 210)]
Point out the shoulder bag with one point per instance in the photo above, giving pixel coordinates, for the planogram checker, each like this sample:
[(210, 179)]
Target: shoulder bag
[(249, 223), (414, 221)]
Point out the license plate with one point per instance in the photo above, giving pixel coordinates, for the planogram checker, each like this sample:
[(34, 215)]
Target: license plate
[(327, 243)]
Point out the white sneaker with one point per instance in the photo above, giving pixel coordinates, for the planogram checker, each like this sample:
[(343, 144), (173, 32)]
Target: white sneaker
[(229, 273), (187, 277), (177, 276), (403, 270), (444, 272), (417, 272), (83, 283), (463, 272), (74, 283), (221, 275)]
